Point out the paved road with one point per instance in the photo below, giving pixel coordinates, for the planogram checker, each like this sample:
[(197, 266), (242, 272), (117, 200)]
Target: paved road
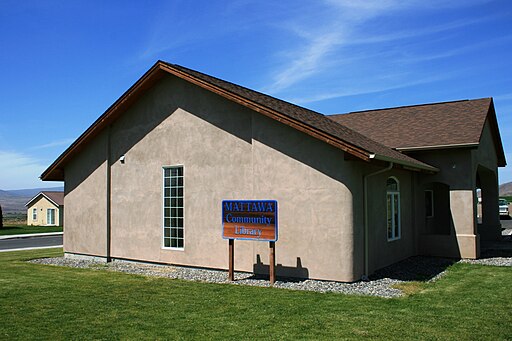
[(506, 223), (31, 242)]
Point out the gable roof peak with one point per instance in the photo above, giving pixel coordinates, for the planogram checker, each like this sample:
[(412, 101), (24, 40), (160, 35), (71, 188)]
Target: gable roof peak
[(305, 120), (55, 197)]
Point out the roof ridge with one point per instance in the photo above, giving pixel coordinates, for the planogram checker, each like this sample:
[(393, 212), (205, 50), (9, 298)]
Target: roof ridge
[(246, 88), (413, 106)]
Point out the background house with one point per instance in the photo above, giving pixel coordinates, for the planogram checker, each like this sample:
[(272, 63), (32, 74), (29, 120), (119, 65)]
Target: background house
[(46, 209)]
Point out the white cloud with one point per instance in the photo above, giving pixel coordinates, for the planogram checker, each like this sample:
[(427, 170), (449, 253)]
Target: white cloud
[(18, 171), (52, 144), (332, 37), (447, 53), (370, 89), (307, 63)]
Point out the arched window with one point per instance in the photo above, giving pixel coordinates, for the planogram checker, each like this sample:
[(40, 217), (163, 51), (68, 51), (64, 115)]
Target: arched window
[(393, 208)]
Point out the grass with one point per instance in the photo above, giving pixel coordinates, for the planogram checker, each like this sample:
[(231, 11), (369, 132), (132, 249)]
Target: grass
[(470, 302), (24, 229)]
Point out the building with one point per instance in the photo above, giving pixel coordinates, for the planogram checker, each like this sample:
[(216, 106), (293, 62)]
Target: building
[(46, 209), (356, 192)]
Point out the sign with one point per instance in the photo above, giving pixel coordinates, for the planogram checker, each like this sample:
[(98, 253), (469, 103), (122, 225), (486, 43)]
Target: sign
[(249, 219)]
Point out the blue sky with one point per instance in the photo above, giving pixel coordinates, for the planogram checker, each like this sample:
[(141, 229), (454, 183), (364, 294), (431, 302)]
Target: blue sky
[(63, 63)]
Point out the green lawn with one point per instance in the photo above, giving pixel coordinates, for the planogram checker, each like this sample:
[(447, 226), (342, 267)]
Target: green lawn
[(24, 229), (45, 302)]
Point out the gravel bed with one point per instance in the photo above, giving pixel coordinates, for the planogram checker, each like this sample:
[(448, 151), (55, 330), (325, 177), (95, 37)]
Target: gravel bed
[(496, 261), (380, 284)]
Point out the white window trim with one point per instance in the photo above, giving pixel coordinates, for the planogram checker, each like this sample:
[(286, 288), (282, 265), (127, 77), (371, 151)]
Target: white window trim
[(47, 212), (393, 223), (34, 214), (431, 202), (170, 248)]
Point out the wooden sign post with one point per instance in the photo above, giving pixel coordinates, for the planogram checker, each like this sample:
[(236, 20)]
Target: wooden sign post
[(231, 268), (250, 220), (272, 262)]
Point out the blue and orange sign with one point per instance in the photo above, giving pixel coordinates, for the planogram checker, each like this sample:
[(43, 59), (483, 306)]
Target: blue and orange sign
[(249, 219)]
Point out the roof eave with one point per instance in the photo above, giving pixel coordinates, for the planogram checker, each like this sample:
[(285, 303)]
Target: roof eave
[(406, 164), (441, 146)]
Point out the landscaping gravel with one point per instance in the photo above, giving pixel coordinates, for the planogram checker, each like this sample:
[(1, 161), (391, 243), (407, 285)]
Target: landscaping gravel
[(380, 284), (496, 261)]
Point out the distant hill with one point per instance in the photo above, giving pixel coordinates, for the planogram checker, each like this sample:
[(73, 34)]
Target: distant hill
[(506, 189), (13, 201), (30, 192)]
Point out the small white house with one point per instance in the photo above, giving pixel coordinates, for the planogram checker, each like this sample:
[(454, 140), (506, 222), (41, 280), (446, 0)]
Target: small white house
[(46, 209)]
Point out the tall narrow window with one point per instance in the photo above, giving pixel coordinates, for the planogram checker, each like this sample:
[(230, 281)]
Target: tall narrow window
[(429, 203), (50, 216), (173, 207), (393, 208), (34, 214)]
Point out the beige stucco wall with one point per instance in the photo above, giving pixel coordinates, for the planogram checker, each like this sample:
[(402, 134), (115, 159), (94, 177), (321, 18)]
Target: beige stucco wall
[(485, 155), (381, 251), (459, 168), (485, 165), (42, 205), (228, 152), (456, 172), (85, 200)]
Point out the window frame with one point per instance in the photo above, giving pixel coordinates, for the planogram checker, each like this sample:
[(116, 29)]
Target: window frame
[(164, 207), (48, 210), (391, 195), (34, 214)]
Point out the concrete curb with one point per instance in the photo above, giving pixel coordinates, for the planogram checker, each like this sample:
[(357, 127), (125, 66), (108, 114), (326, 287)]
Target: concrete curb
[(31, 248), (29, 235)]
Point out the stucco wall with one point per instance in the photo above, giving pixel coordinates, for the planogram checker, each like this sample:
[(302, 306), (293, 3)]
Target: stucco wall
[(85, 209), (485, 162), (457, 183), (459, 168), (485, 154), (317, 191), (228, 152), (42, 205), (383, 252)]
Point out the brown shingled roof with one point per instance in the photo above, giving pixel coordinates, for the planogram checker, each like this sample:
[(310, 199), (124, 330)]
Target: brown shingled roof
[(308, 121), (56, 197), (448, 124)]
